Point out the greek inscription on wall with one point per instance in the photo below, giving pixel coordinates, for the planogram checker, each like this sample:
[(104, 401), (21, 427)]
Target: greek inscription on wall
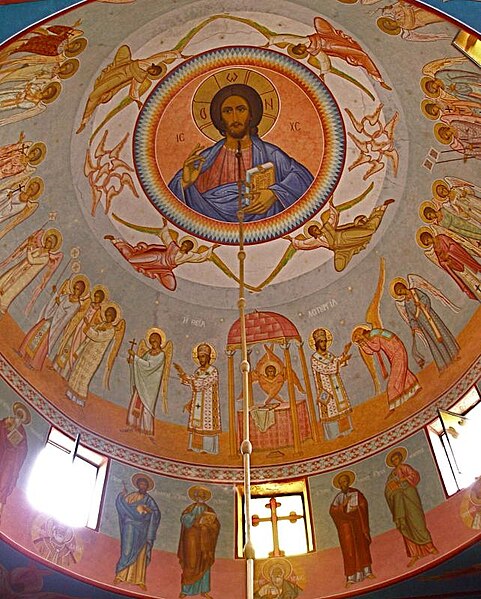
[(322, 308), (194, 322)]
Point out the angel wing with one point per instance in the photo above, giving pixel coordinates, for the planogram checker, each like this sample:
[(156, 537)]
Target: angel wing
[(122, 56), (100, 149), (64, 287), (373, 317), (164, 388), (401, 308), (350, 203), (29, 209), (420, 360), (431, 68), (455, 182), (414, 36), (368, 360), (118, 338), (115, 152), (53, 264), (89, 166), (151, 230), (373, 313), (271, 357), (143, 348), (419, 282), (431, 255)]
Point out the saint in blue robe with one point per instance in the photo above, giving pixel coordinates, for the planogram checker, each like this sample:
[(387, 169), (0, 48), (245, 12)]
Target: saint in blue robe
[(138, 529)]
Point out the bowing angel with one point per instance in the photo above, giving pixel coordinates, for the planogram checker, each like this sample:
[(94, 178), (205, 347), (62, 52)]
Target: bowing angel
[(375, 343)]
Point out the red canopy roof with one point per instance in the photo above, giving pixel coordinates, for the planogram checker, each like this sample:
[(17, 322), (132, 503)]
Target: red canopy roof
[(263, 326)]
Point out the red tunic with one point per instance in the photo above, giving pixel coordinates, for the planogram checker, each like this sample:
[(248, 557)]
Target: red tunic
[(335, 42), (454, 258), (11, 458), (352, 523)]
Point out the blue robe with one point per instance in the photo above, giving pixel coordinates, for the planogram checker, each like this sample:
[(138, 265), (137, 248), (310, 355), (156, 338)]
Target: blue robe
[(443, 350), (136, 530), (221, 203)]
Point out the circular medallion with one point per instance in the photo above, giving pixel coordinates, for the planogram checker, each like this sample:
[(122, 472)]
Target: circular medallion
[(275, 127)]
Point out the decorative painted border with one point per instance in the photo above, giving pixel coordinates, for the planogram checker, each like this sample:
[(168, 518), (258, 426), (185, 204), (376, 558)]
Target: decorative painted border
[(222, 474), (266, 229)]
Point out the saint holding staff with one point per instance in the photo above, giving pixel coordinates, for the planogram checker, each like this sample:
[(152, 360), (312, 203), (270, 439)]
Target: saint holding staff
[(149, 377)]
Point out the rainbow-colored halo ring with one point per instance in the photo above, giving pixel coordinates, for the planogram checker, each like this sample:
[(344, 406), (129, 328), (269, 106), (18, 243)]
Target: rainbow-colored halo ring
[(326, 179)]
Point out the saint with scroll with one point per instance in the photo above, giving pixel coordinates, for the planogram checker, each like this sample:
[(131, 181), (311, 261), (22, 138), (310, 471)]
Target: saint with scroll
[(208, 180)]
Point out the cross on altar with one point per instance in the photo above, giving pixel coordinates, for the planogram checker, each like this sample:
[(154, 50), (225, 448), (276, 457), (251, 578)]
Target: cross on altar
[(274, 518)]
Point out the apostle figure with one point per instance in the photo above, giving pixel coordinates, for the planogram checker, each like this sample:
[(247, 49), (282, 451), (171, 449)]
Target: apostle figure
[(208, 181), (349, 510), (149, 376), (13, 449), (332, 398), (61, 308), (197, 543), (204, 409), (401, 382), (414, 305), (97, 340), (406, 508), (471, 505), (139, 519), (38, 252), (74, 333)]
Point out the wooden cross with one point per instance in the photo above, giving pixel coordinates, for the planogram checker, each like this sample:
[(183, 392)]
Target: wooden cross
[(274, 518)]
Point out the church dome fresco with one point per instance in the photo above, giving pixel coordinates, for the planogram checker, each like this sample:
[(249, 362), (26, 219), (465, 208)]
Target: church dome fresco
[(135, 136)]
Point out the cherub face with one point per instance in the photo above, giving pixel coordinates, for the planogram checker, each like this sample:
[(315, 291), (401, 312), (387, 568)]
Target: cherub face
[(270, 371)]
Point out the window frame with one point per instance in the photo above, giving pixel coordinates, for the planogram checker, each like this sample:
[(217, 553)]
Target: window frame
[(278, 489), (436, 434), (72, 446)]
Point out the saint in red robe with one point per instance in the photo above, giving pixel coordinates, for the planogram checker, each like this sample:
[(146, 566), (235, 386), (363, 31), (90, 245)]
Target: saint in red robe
[(349, 510)]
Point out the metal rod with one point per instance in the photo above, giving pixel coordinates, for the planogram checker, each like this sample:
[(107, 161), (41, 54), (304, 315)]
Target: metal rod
[(246, 446)]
